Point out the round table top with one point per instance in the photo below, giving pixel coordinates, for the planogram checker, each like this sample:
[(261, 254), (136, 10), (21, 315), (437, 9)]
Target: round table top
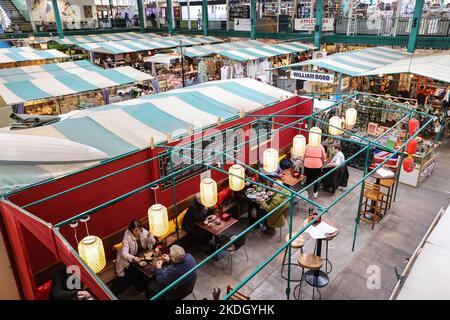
[(329, 236), (376, 175)]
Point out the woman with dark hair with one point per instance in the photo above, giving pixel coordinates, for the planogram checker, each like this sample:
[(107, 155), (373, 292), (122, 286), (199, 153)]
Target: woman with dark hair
[(135, 239)]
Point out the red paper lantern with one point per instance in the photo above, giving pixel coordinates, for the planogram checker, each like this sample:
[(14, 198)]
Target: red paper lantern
[(411, 147), (413, 126), (408, 164)]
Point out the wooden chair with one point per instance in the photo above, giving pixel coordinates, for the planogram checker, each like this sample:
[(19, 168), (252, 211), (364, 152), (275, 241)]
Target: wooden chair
[(237, 295), (308, 261), (374, 209)]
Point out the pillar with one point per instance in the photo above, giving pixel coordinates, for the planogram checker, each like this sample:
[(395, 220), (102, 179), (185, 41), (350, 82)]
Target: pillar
[(141, 14), (205, 17), (59, 27), (169, 12), (253, 19), (318, 26), (412, 40)]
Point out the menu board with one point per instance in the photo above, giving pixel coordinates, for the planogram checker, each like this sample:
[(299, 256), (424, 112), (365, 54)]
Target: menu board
[(239, 11)]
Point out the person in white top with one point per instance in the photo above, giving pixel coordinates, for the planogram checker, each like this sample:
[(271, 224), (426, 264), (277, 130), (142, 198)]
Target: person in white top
[(332, 181)]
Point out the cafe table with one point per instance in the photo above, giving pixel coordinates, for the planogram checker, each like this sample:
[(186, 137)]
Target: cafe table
[(149, 270), (379, 174), (216, 230), (288, 179), (319, 278)]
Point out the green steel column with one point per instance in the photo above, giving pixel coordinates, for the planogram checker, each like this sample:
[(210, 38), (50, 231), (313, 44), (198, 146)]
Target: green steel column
[(253, 19), (174, 195), (366, 165), (318, 27), (415, 26), (289, 248), (169, 17), (141, 16), (205, 17), (59, 27)]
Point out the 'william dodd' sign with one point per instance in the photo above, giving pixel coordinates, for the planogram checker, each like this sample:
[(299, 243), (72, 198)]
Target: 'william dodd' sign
[(312, 76)]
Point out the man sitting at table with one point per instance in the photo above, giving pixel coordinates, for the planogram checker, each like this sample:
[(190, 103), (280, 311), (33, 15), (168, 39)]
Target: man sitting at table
[(196, 212), (340, 176), (276, 219), (180, 262)]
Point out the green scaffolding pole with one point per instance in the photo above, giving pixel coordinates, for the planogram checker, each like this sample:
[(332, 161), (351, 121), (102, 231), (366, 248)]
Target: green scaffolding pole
[(412, 39), (59, 27), (174, 196)]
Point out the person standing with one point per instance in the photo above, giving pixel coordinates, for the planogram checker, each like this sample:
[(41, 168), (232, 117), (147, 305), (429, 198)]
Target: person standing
[(313, 163)]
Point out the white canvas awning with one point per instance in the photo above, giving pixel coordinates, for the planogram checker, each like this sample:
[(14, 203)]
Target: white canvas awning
[(435, 66)]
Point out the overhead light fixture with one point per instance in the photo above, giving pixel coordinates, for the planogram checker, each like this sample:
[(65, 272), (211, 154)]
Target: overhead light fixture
[(298, 146), (315, 137), (208, 192), (236, 177), (270, 160)]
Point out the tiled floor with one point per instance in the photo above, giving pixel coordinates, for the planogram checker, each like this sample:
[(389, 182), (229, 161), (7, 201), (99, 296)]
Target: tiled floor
[(354, 274)]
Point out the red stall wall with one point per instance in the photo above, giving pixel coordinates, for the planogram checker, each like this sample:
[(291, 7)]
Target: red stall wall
[(112, 218)]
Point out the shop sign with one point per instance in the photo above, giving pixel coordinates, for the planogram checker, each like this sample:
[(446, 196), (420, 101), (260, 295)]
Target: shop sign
[(309, 24), (242, 25), (312, 76)]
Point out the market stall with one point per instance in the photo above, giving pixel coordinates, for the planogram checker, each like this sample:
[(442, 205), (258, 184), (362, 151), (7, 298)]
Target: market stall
[(243, 59), (26, 56), (59, 91), (343, 66)]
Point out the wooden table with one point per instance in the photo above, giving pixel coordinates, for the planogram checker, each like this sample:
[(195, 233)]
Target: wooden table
[(288, 179), (319, 278), (150, 269), (217, 230)]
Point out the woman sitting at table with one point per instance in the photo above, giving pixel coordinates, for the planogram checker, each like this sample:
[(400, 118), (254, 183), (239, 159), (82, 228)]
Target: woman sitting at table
[(135, 239), (340, 176), (276, 219)]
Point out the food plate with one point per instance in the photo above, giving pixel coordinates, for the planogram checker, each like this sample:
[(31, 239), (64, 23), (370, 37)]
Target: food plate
[(250, 190), (211, 217), (251, 196), (142, 263), (148, 256)]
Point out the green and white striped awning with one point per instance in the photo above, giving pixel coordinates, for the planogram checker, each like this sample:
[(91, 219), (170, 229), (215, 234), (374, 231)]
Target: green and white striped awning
[(266, 51), (357, 62), (87, 80), (74, 40), (137, 45), (22, 54), (46, 71), (206, 50), (127, 126)]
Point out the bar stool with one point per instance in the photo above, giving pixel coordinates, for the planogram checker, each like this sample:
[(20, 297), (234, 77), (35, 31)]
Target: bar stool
[(312, 262), (389, 185), (372, 212), (296, 244)]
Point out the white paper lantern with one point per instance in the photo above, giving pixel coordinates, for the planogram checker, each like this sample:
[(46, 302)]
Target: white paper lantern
[(235, 183), (270, 160), (298, 146), (208, 192), (92, 252), (335, 125), (315, 137), (158, 220), (350, 116)]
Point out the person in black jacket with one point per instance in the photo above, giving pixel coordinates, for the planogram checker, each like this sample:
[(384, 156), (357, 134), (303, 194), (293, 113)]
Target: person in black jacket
[(180, 263), (196, 212), (60, 289)]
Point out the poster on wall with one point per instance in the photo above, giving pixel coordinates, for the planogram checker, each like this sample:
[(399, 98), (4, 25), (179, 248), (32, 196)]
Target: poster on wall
[(242, 25), (309, 24), (41, 11)]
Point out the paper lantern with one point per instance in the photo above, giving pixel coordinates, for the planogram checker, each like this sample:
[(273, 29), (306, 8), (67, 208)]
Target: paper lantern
[(350, 116), (315, 137), (335, 125), (413, 125), (92, 252), (408, 164), (208, 192), (298, 146), (158, 220), (270, 160), (411, 147), (236, 183)]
